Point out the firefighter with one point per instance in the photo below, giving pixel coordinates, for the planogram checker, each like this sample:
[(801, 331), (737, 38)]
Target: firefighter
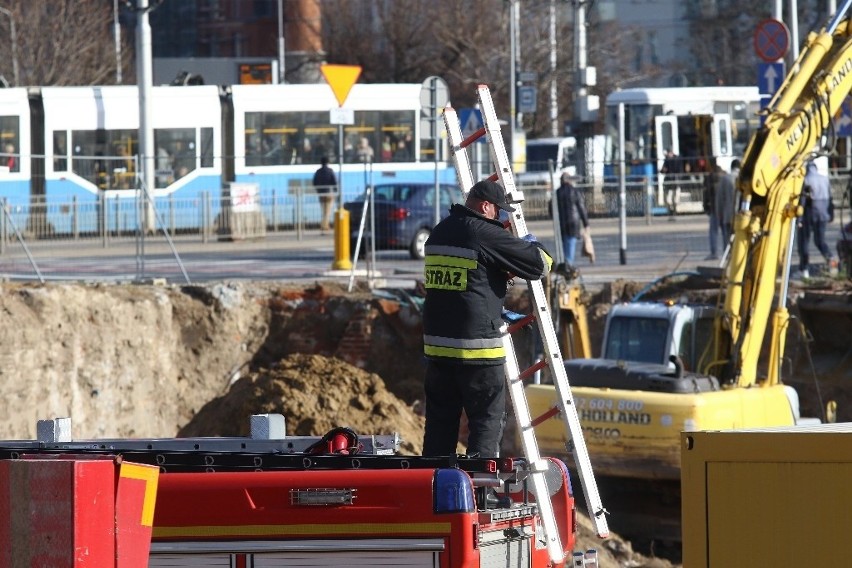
[(470, 258)]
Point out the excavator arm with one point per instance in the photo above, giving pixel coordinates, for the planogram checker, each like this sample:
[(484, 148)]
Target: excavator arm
[(770, 182)]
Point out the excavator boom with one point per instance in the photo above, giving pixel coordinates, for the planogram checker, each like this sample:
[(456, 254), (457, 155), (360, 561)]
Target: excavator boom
[(770, 183)]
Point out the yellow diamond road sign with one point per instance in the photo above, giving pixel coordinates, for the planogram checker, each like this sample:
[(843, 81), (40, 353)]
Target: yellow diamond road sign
[(341, 78)]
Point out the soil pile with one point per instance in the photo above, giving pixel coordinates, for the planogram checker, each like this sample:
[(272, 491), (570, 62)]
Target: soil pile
[(315, 394)]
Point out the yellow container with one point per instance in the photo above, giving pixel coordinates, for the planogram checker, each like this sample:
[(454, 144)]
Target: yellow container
[(768, 497)]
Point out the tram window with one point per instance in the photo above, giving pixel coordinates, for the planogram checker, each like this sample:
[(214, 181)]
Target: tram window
[(362, 138), (277, 138), (397, 138), (83, 163), (206, 147), (722, 134), (320, 138), (271, 138), (60, 151), (314, 138), (176, 147), (10, 145), (639, 131), (104, 157)]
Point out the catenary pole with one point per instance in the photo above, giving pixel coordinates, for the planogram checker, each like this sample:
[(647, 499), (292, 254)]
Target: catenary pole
[(144, 80)]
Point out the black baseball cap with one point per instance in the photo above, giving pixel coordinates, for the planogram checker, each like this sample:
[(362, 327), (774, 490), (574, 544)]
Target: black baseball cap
[(490, 191)]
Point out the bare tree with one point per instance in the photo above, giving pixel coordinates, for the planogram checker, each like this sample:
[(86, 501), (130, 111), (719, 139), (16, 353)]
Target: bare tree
[(721, 39), (467, 43), (60, 42)]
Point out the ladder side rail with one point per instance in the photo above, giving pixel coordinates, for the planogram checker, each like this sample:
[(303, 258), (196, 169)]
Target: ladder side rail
[(501, 160), (538, 466), (513, 375), (568, 410), (544, 320), (461, 159)]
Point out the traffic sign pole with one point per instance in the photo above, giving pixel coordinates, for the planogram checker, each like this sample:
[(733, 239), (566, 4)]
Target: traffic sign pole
[(340, 78), (434, 95)]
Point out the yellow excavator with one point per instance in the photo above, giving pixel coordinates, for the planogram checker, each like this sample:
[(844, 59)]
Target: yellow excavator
[(667, 368)]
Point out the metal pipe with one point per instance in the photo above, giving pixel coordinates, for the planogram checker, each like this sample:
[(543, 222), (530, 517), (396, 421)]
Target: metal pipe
[(622, 188), (794, 28), (554, 103), (281, 45), (117, 33), (513, 83), (144, 80)]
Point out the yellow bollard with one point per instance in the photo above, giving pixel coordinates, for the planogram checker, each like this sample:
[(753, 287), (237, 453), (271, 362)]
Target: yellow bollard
[(341, 240)]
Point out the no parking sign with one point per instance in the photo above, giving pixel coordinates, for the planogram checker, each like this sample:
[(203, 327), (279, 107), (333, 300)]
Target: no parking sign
[(771, 40)]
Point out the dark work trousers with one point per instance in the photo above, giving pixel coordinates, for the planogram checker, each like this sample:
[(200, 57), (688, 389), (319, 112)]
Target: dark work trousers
[(816, 228), (480, 391)]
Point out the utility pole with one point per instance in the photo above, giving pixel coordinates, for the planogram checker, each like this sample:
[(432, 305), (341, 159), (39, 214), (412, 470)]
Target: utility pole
[(281, 44), (513, 74), (585, 105), (117, 33), (554, 103), (144, 80)]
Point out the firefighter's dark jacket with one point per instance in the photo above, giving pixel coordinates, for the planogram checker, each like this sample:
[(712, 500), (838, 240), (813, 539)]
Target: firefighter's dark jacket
[(469, 259)]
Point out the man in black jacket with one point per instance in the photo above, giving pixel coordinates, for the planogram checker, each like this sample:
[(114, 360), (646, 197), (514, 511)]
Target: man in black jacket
[(469, 259), (325, 183)]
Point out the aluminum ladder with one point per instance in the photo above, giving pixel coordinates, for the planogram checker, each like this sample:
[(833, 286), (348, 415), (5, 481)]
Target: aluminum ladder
[(552, 358)]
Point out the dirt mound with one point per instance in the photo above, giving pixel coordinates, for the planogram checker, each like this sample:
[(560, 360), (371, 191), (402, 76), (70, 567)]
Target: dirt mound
[(315, 394)]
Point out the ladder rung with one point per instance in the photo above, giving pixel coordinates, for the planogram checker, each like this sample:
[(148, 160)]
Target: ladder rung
[(494, 177), (472, 138), (532, 370), (549, 414), (522, 323)]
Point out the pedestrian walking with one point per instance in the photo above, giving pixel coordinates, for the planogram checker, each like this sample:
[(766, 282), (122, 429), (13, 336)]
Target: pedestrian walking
[(573, 217), (325, 184), (816, 196)]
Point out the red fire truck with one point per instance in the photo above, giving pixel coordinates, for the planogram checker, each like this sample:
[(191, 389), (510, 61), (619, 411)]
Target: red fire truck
[(339, 500)]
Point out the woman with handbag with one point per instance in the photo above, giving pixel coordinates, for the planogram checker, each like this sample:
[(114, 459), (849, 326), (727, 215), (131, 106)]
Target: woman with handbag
[(573, 219)]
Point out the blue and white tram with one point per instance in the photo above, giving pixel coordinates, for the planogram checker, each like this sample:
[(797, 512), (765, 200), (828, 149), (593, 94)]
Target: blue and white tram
[(68, 162), (282, 131), (16, 147), (91, 140)]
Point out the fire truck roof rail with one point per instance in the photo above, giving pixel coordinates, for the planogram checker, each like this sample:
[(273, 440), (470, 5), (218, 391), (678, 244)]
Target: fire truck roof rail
[(267, 436)]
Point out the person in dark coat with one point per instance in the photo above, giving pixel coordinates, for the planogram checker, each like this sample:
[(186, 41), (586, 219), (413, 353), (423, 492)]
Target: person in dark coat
[(672, 169), (573, 218), (816, 195), (325, 184), (470, 258)]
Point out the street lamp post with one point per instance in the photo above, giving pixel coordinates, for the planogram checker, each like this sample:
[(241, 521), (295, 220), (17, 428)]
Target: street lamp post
[(14, 38), (281, 45)]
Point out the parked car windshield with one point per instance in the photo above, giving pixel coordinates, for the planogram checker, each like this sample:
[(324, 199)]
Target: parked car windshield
[(398, 193)]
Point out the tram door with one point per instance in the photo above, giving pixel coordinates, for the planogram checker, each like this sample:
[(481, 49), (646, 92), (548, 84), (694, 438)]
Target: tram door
[(666, 137)]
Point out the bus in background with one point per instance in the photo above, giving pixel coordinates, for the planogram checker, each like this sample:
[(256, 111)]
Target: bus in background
[(698, 124)]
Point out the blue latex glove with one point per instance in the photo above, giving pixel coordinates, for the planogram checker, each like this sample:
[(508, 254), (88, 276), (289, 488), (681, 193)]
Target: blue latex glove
[(530, 238)]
